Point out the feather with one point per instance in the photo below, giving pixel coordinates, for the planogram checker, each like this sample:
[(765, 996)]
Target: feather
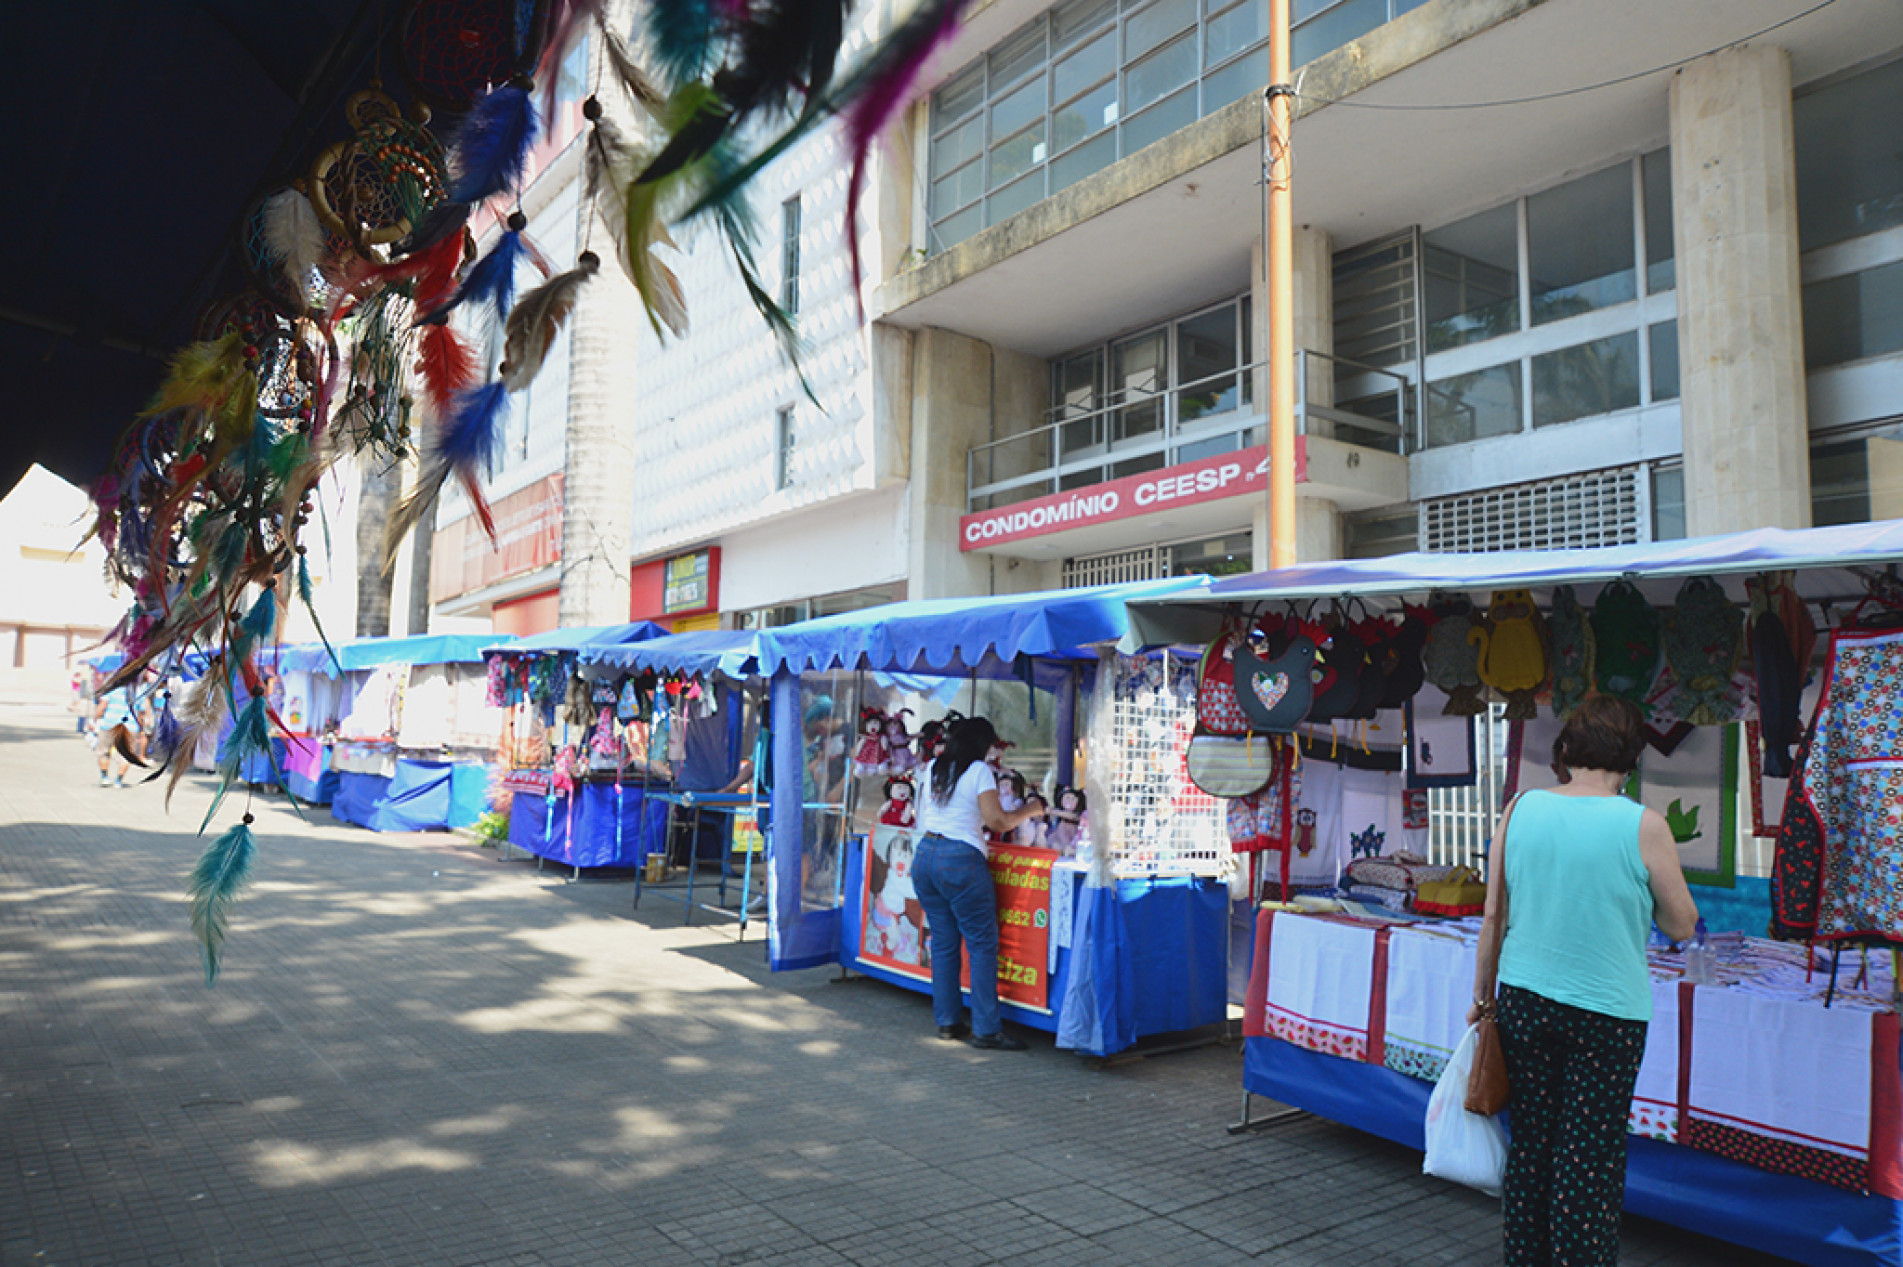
[(642, 230), (420, 501), (535, 322), (437, 263), (200, 713), (634, 80), (444, 220), (249, 736), (782, 49), (492, 146), (221, 872), (120, 741), (295, 238), (261, 621), (467, 438), (306, 597), (561, 20), (200, 375), (492, 280), (682, 35), (445, 364), (697, 121)]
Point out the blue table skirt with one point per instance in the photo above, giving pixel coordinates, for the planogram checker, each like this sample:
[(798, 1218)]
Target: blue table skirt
[(1778, 1214), (533, 827), (319, 791), (416, 800), (1174, 934), (468, 792), (357, 796)]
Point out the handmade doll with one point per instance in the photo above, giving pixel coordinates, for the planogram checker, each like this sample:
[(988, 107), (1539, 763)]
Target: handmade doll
[(899, 758), (1064, 826), (872, 756), (1511, 639), (899, 810), (1452, 662), (1013, 792)]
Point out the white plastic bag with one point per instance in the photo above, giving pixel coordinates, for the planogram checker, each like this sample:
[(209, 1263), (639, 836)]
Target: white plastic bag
[(1464, 1147)]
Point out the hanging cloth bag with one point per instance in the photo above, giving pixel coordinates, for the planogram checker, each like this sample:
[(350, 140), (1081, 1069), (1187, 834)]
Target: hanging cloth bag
[(1570, 634), (1217, 710), (1276, 693), (1704, 639), (1452, 662), (1625, 634), (1511, 640)]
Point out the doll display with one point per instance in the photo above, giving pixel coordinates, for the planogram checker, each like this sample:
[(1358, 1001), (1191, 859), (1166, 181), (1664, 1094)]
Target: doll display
[(873, 757), (899, 757), (1066, 824), (1014, 792), (899, 810)]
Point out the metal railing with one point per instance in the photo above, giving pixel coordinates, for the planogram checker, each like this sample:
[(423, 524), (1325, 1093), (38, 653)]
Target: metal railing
[(1140, 429)]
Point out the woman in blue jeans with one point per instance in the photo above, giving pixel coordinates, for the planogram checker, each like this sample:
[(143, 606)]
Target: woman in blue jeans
[(952, 877)]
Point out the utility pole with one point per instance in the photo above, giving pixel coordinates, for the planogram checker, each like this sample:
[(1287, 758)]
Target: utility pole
[(1279, 253)]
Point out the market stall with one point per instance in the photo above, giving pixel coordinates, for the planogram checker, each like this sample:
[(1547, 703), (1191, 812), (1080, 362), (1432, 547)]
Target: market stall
[(1767, 1111), (1113, 912), (565, 752), (415, 713), (704, 700)]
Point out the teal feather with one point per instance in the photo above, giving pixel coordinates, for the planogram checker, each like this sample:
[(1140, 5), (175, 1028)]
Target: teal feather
[(221, 871), (304, 597), (250, 735), (261, 621)]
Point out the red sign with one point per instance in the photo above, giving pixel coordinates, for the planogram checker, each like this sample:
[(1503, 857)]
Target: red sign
[(1205, 480), (894, 935), (528, 536)]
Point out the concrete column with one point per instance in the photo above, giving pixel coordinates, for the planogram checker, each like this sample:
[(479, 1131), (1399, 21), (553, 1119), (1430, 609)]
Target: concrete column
[(963, 393), (1740, 320), (1318, 531), (598, 457)]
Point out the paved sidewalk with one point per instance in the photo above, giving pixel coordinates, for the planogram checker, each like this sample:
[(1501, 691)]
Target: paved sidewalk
[(422, 1053)]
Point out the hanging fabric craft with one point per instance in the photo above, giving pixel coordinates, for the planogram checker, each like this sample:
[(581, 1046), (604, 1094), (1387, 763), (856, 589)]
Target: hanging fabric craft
[(1704, 637), (1511, 640), (1217, 710), (1452, 662), (1625, 632), (1840, 848), (1781, 638), (1230, 766), (1570, 636), (1400, 656), (1276, 693)]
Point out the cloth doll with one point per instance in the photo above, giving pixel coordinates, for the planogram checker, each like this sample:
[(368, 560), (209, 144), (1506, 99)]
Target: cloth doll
[(1511, 639), (1013, 792), (899, 758), (899, 810), (1452, 662), (872, 756), (1064, 825)]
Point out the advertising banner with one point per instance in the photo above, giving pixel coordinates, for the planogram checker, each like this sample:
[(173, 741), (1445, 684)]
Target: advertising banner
[(895, 936)]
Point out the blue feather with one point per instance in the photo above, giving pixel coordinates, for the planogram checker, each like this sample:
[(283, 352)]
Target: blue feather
[(492, 280), (468, 440), (262, 619), (250, 735), (221, 871), (682, 33), (492, 146)]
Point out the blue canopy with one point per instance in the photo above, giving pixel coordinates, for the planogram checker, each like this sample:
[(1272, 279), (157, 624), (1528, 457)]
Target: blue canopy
[(963, 635), (574, 639), (703, 653), (368, 653), (1831, 563)]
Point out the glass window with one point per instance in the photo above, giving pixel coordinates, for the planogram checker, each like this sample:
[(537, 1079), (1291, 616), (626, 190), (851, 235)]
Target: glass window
[(1013, 157), (1579, 245), (1232, 555), (1075, 384), (1139, 371), (1664, 337), (1072, 22), (1206, 364), (1092, 156), (1854, 317), (1592, 378), (1137, 466), (1238, 79), (1848, 137), (1017, 56), (1472, 269), (1655, 172), (949, 193), (959, 145), (1160, 74), (1373, 536), (1233, 30), (961, 95), (1012, 199), (790, 255), (1329, 30), (952, 230), (1095, 61), (1090, 113), (1017, 109), (1473, 406), (1668, 503), (1145, 30), (1160, 120), (1840, 482)]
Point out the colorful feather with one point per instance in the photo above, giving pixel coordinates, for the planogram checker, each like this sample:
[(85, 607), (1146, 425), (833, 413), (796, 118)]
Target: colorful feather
[(444, 220), (462, 445), (295, 239), (491, 148), (200, 376), (492, 279), (682, 35), (634, 81), (445, 364), (305, 596), (221, 872), (261, 621), (536, 321), (249, 736), (200, 713)]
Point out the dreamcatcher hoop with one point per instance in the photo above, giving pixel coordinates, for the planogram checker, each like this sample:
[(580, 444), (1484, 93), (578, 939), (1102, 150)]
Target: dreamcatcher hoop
[(456, 50)]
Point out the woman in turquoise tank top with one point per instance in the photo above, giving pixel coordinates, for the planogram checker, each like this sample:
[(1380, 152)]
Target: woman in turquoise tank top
[(1578, 876)]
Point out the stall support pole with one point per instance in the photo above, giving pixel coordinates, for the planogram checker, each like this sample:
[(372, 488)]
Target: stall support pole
[(1279, 259), (1249, 1123), (784, 841)]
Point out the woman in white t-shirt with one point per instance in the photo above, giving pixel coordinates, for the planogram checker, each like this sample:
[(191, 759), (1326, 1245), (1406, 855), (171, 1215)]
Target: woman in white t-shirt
[(952, 877)]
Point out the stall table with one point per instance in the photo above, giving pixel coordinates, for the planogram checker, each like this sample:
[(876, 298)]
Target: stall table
[(727, 805), (1351, 1020), (598, 825)]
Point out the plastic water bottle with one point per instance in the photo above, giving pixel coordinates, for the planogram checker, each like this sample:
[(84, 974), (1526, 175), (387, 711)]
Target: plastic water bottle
[(1698, 967)]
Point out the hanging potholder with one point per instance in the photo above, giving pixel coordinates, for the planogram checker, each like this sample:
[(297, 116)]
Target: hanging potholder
[(1571, 636), (1780, 682), (1341, 662), (1625, 634), (1402, 658), (1230, 766), (1276, 693), (1216, 708), (1512, 643), (1371, 684), (1704, 639), (1452, 662)]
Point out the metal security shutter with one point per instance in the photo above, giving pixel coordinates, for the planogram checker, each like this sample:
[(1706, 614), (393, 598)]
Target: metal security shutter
[(1597, 508), (1144, 564)]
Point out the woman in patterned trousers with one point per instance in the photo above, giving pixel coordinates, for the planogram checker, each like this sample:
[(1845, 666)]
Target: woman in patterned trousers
[(1577, 876)]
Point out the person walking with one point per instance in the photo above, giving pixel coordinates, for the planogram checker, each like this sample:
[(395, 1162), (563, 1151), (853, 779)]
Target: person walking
[(1577, 877), (951, 875), (113, 711)]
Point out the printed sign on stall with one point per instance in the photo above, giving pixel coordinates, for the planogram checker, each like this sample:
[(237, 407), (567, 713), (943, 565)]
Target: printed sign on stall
[(894, 934)]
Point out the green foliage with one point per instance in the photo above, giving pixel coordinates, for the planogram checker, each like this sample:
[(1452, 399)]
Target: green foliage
[(492, 827)]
